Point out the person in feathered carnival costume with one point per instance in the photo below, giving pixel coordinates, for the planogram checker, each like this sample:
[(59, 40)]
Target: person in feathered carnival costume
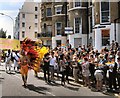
[(41, 52), (24, 63), (35, 53)]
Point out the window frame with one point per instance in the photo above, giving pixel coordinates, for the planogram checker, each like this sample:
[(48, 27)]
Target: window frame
[(80, 25), (56, 29), (35, 34), (23, 24), (49, 13), (36, 16), (104, 37), (23, 34), (23, 16), (56, 12), (36, 8), (36, 25), (104, 11), (77, 2)]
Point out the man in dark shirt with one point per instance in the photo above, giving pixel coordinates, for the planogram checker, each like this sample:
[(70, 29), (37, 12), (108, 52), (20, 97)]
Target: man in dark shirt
[(46, 67)]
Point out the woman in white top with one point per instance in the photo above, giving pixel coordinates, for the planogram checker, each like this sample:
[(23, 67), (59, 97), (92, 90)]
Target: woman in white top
[(86, 72), (52, 64)]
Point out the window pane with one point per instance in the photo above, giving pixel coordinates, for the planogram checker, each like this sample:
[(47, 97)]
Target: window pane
[(105, 37), (104, 6), (36, 8), (78, 4), (35, 16), (23, 24), (49, 28), (23, 15), (49, 13), (105, 12), (78, 25), (35, 34), (58, 10), (23, 34), (35, 24), (58, 28)]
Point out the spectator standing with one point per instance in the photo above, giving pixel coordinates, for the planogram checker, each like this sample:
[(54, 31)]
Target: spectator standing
[(118, 72), (52, 64), (63, 63), (75, 68), (46, 60), (86, 72), (112, 73)]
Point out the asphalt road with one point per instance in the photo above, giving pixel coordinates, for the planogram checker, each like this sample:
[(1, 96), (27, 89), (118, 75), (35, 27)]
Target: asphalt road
[(12, 86)]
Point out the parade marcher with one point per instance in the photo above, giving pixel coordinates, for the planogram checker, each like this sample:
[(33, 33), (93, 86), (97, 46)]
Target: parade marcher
[(16, 59), (24, 64), (8, 61), (46, 60)]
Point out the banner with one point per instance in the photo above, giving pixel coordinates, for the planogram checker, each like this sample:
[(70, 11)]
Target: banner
[(12, 44)]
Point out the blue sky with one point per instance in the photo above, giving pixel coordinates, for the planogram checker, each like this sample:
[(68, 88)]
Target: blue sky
[(11, 8)]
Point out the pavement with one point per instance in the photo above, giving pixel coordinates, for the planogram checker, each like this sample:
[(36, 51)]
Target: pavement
[(11, 85)]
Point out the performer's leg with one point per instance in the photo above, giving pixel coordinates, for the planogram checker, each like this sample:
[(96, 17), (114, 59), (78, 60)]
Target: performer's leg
[(26, 80), (23, 78), (36, 75)]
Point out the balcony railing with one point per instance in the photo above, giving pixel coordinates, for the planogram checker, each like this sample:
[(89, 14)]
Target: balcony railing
[(45, 35)]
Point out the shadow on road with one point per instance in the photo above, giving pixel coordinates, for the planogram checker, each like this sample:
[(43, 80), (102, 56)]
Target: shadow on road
[(40, 90), (11, 73)]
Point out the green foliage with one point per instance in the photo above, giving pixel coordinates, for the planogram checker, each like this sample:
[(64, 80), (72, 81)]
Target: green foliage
[(9, 36), (2, 33)]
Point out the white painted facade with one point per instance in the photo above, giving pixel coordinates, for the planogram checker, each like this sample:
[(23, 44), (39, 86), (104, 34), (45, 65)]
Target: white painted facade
[(83, 38), (98, 35), (28, 9), (54, 39), (118, 32)]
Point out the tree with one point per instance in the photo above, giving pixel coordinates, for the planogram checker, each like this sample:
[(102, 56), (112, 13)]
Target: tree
[(9, 36), (2, 33)]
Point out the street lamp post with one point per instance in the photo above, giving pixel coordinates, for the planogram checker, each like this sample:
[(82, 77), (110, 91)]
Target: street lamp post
[(11, 19)]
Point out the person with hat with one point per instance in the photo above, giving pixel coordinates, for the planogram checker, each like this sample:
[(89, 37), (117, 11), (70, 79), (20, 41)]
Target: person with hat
[(99, 73), (112, 65)]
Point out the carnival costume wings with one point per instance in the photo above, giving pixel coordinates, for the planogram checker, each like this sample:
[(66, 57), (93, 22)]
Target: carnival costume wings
[(34, 52)]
